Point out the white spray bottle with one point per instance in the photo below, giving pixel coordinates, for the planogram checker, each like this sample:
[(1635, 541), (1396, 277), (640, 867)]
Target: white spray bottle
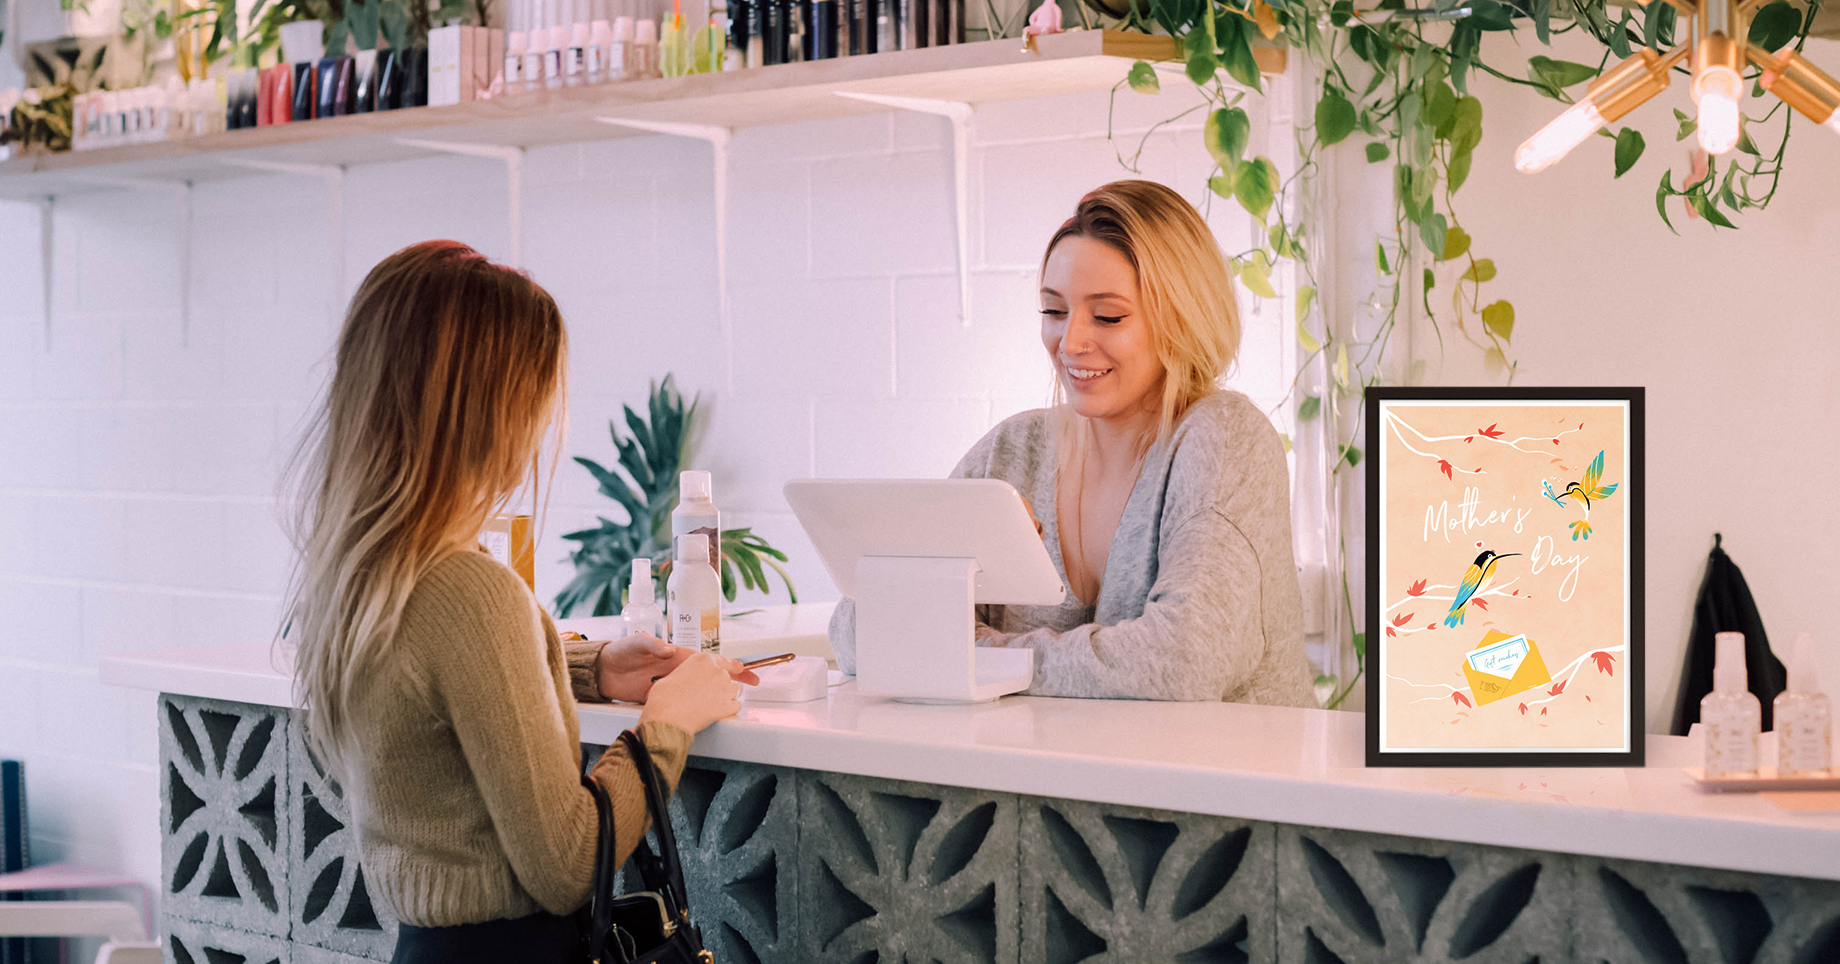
[(694, 593), (642, 614)]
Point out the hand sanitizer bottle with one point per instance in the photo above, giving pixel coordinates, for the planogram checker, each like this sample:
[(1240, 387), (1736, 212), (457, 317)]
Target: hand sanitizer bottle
[(694, 593), (1730, 717), (1804, 717), (642, 614), (696, 513)]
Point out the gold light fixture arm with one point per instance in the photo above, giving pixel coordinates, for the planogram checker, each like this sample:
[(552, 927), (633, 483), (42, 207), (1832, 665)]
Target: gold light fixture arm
[(1800, 84)]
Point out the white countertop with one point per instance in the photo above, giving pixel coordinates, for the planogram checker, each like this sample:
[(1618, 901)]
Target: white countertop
[(1255, 762)]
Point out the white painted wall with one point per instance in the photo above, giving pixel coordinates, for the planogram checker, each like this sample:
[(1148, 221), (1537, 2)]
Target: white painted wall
[(139, 448)]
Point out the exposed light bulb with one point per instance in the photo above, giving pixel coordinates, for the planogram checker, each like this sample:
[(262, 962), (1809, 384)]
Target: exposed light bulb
[(1833, 123), (1556, 139), (1718, 89)]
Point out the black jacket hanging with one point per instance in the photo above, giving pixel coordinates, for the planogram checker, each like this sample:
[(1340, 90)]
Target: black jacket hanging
[(1725, 606)]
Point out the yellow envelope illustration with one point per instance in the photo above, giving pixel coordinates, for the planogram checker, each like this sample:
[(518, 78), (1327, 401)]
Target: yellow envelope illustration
[(1503, 666)]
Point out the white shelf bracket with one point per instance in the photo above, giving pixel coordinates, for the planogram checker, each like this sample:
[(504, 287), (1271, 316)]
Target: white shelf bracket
[(961, 115), (514, 176), (181, 193), (718, 139), (334, 176)]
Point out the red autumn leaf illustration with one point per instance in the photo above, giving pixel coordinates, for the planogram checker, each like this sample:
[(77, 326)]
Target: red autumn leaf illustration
[(1479, 603), (1555, 441), (1542, 711), (1604, 661), (1431, 625), (1587, 698), (1418, 588), (1561, 461), (1402, 620), (1557, 688), (1491, 431), (1445, 468), (1523, 709), (1389, 631), (1581, 426), (1468, 439), (1461, 699)]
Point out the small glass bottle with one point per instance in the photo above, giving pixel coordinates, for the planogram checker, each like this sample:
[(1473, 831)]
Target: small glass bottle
[(641, 613), (1804, 717), (1730, 716)]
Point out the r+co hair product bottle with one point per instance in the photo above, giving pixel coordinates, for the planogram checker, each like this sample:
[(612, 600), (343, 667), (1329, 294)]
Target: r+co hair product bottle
[(694, 593), (641, 613), (1804, 717), (696, 513), (1730, 717)]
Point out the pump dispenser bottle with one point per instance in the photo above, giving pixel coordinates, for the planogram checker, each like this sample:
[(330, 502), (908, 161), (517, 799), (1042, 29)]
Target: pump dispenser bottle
[(1730, 717), (642, 614), (1804, 717), (696, 513), (694, 593)]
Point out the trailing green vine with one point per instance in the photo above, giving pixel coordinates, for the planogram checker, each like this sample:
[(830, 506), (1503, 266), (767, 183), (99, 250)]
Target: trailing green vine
[(1400, 78)]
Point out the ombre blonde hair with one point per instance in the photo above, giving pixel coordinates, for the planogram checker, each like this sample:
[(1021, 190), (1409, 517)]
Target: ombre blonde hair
[(1183, 289), (448, 373)]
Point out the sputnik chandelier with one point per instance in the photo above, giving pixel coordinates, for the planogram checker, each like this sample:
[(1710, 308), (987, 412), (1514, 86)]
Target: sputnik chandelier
[(1718, 53)]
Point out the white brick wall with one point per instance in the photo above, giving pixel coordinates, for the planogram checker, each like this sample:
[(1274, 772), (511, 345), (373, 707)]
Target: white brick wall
[(139, 449)]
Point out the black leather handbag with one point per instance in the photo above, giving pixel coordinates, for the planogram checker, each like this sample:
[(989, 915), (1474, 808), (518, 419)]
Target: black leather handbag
[(650, 926)]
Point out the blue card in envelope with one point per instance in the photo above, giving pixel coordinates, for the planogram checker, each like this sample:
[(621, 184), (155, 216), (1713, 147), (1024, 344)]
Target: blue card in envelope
[(1503, 666)]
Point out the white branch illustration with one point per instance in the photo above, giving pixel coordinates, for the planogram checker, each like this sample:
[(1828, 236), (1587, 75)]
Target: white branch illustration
[(1573, 666), (1491, 591), (1569, 670), (1515, 445), (1391, 418)]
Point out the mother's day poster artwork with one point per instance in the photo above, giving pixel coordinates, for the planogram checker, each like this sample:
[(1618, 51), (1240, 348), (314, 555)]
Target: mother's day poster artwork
[(1504, 559)]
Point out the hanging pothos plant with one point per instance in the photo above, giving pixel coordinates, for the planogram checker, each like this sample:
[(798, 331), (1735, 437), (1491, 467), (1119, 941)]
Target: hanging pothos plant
[(1400, 79)]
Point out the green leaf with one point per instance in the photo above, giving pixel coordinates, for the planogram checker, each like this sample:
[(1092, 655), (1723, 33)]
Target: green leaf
[(1335, 118), (1281, 243), (1456, 244), (1286, 439), (1309, 408), (1629, 145), (1488, 15), (1352, 455), (1432, 231), (1201, 63), (1222, 185), (1236, 50), (1747, 145), (1709, 211), (1466, 124), (1305, 298), (1225, 135), (1255, 183), (1380, 263), (1430, 279), (1440, 109), (1377, 151), (1499, 318), (1142, 78), (1480, 270), (1662, 193), (1558, 73), (1775, 25), (1341, 363), (1687, 125), (1255, 274), (1459, 169), (1360, 646)]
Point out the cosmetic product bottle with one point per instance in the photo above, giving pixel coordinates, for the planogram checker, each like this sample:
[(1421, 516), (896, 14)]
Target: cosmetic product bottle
[(641, 614), (1804, 716), (735, 56), (798, 27), (694, 594), (620, 56), (600, 43), (696, 513), (712, 41), (823, 28), (674, 43), (530, 73), (907, 24), (575, 58), (644, 51), (1730, 716), (887, 26), (556, 51), (772, 32), (517, 41)]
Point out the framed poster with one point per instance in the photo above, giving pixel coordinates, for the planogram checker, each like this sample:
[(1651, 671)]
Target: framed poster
[(1504, 576)]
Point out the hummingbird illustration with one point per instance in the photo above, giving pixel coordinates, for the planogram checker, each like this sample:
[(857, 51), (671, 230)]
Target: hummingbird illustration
[(1588, 490), (1475, 580)]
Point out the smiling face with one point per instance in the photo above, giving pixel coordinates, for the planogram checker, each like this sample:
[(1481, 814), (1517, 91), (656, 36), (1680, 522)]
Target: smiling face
[(1096, 333)]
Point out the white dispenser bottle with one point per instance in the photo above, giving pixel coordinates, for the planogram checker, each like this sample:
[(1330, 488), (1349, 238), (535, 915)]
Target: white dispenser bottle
[(642, 614), (694, 593), (1804, 717), (696, 514), (1730, 717)]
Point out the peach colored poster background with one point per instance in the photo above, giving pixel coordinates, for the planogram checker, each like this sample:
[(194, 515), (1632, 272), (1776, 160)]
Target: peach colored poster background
[(1459, 477)]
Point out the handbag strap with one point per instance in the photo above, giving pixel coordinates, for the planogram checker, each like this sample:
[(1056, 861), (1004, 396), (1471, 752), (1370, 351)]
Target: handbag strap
[(600, 897), (665, 873)]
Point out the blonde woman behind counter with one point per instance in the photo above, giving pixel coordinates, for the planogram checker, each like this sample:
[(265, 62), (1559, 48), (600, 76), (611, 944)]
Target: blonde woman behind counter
[(1164, 501)]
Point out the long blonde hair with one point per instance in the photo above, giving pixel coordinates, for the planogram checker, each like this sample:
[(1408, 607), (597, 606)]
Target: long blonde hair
[(448, 372), (1183, 288)]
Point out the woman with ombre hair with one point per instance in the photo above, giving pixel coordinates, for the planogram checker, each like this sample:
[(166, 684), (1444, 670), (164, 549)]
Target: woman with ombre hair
[(1164, 499), (432, 686)]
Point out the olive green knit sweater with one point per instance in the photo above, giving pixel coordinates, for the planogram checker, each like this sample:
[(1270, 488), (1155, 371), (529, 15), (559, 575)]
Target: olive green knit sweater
[(465, 784)]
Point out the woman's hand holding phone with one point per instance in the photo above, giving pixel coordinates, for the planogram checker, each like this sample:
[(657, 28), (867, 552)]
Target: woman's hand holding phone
[(702, 689)]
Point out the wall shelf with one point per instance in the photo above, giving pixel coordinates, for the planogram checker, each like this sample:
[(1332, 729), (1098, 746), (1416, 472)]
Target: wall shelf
[(971, 73)]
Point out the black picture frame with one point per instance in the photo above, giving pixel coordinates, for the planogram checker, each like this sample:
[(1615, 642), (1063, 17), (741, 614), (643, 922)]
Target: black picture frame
[(1634, 756)]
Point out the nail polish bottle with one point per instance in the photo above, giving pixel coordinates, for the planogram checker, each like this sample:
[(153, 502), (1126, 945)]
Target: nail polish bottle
[(1804, 716), (645, 50), (555, 45), (537, 39), (517, 41), (600, 44), (1730, 715), (620, 56)]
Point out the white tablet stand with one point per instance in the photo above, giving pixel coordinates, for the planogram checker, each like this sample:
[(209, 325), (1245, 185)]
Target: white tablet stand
[(917, 556)]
